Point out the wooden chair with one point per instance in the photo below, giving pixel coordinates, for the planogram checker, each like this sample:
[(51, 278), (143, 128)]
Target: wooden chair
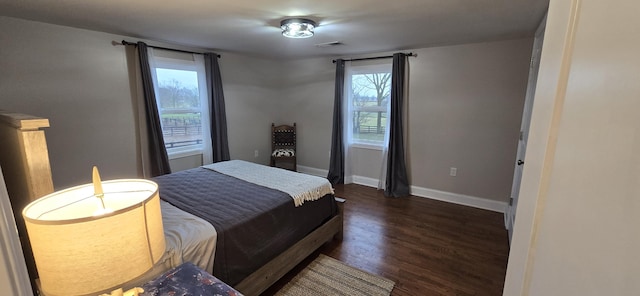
[(283, 146)]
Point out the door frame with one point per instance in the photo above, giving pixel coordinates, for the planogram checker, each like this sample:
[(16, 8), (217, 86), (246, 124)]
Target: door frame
[(534, 66)]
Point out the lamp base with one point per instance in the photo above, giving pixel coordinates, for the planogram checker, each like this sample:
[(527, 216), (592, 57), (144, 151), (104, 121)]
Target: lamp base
[(132, 292)]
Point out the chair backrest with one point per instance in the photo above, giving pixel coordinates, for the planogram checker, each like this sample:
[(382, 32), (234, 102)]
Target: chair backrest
[(283, 136)]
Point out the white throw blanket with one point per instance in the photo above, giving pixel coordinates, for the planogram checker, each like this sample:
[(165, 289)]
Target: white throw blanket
[(300, 187)]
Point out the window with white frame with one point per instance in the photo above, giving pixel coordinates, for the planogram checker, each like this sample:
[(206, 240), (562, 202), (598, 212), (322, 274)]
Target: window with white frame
[(368, 92), (181, 95)]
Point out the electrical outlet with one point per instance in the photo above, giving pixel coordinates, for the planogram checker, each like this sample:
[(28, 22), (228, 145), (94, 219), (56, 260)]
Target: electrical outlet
[(453, 172), (255, 153)]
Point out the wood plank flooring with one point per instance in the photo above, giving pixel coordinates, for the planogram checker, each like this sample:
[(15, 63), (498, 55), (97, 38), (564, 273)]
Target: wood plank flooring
[(427, 247)]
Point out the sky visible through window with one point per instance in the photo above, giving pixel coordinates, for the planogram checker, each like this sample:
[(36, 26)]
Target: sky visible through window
[(187, 79)]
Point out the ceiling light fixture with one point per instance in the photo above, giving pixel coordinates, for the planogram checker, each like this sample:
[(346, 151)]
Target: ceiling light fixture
[(297, 27)]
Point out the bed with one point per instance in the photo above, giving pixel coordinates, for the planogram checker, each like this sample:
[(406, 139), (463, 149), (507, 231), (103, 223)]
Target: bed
[(285, 234)]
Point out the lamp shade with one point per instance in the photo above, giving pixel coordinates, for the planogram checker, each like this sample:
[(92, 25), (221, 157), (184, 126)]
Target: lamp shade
[(80, 249)]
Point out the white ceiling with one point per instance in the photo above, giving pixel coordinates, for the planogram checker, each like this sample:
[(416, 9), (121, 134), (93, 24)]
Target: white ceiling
[(252, 27)]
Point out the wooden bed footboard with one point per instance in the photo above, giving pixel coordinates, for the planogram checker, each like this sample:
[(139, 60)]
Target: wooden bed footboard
[(267, 275)]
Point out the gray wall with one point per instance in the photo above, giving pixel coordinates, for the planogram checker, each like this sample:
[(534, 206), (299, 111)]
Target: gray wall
[(465, 104), (79, 80), (465, 109), (253, 98), (308, 94)]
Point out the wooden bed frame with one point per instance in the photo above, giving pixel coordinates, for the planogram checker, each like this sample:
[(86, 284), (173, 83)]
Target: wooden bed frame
[(24, 159)]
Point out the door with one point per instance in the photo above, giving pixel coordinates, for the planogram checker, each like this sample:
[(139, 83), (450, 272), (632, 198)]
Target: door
[(510, 212), (14, 277)]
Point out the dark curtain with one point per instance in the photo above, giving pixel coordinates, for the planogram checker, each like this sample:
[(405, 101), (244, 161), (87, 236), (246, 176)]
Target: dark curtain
[(157, 150), (336, 166), (397, 182), (219, 140)]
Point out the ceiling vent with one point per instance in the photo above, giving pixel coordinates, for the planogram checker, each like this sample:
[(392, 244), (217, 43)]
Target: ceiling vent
[(329, 44)]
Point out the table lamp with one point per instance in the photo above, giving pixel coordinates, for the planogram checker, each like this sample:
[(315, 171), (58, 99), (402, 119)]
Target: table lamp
[(90, 239)]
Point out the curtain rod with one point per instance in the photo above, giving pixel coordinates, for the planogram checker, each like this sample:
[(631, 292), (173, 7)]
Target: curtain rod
[(411, 54), (165, 48)]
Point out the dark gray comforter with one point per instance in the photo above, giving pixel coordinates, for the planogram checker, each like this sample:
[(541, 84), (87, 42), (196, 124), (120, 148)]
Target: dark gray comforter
[(254, 223)]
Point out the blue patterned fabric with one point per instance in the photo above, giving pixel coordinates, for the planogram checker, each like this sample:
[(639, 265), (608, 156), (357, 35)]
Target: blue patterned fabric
[(187, 280)]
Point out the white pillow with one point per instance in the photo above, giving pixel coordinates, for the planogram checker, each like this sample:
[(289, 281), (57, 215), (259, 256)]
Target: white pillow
[(283, 152)]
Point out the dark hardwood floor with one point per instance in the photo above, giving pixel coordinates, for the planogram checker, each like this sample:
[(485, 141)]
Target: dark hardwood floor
[(427, 247)]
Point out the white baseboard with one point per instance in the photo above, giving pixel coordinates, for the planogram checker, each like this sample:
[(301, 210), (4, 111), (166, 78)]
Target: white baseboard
[(312, 171), (366, 181), (461, 199)]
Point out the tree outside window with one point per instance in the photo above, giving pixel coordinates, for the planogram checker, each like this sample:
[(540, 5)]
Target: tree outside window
[(180, 109), (370, 95)]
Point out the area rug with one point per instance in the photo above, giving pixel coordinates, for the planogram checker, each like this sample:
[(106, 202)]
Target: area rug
[(327, 276)]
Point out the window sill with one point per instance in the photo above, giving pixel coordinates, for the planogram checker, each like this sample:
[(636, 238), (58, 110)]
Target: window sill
[(184, 153), (366, 146)]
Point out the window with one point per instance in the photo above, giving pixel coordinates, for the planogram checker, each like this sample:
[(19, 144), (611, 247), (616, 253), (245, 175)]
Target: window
[(369, 92), (181, 95)]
